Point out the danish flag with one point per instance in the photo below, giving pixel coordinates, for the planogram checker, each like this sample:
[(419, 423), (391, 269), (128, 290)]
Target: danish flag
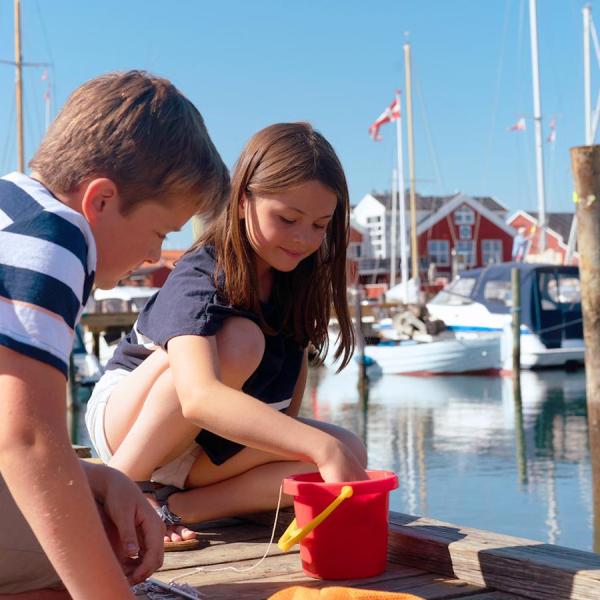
[(391, 113)]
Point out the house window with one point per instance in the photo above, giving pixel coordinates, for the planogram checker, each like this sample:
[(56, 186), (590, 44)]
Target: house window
[(354, 250), (464, 215), (464, 232), (466, 250), (373, 219), (491, 251), (439, 252)]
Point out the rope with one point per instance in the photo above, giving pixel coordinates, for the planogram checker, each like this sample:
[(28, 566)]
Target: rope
[(237, 569)]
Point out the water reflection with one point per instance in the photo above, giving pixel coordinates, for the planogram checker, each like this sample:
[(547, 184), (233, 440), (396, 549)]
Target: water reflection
[(470, 451)]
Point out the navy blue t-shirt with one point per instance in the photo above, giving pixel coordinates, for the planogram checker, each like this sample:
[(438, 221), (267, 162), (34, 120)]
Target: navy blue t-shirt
[(190, 303)]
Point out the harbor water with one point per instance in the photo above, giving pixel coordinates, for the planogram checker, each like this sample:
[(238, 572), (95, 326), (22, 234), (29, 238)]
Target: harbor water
[(465, 452)]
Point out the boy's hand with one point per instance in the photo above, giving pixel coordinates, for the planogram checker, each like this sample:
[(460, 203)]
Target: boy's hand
[(138, 532), (339, 463)]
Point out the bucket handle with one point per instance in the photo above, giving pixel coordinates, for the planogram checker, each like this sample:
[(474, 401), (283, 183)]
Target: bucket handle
[(293, 535)]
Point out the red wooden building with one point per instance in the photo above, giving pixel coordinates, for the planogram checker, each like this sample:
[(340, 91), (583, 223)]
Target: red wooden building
[(463, 233), (558, 229)]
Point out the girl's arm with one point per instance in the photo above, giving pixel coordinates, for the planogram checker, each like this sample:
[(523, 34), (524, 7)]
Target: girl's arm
[(294, 408), (210, 404)]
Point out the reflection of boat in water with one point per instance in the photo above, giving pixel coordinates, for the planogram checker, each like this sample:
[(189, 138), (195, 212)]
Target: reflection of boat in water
[(480, 301)]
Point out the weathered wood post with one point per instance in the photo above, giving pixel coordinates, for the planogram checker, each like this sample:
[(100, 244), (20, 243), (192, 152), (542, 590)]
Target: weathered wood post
[(516, 374), (585, 162), (520, 444), (360, 340)]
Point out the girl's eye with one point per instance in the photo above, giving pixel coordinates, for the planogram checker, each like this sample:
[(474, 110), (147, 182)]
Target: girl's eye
[(161, 236), (320, 227), (287, 221)]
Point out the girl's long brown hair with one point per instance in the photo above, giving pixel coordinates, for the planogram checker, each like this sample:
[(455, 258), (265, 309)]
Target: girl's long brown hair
[(276, 158)]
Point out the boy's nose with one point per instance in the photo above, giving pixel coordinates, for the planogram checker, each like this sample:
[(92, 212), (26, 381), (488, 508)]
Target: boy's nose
[(154, 254)]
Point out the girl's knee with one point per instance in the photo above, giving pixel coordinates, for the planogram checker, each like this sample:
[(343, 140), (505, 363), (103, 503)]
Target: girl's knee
[(241, 345)]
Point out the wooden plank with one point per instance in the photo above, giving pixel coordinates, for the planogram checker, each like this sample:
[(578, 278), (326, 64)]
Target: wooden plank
[(529, 568), (219, 554), (284, 568), (226, 544), (494, 596), (426, 586)]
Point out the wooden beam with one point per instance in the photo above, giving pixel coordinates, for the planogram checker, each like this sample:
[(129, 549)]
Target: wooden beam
[(516, 565)]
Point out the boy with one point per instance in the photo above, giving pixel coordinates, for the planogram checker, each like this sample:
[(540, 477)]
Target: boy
[(127, 160)]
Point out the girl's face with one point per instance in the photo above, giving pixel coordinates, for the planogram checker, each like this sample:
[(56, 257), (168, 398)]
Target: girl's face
[(286, 227)]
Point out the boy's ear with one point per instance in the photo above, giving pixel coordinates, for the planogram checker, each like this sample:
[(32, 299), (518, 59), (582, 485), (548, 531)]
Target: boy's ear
[(99, 197)]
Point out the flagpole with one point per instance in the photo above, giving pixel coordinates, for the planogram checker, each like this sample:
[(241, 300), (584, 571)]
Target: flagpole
[(537, 120), (394, 232), (402, 203), (411, 169), (587, 112)]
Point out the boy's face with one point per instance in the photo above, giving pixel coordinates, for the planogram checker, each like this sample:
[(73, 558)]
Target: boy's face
[(124, 242)]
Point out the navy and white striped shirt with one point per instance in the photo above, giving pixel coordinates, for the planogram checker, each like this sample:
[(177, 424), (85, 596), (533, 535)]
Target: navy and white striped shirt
[(47, 265)]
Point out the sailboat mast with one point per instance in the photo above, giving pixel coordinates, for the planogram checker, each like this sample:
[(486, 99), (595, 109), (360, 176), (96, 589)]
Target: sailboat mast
[(411, 167), (19, 87), (537, 120), (394, 232), (402, 203), (587, 77)]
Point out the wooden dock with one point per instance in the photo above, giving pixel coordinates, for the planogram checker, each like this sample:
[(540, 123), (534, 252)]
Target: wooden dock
[(427, 558)]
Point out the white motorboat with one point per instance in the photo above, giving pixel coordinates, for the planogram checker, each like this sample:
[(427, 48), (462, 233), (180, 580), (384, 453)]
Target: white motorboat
[(479, 302)]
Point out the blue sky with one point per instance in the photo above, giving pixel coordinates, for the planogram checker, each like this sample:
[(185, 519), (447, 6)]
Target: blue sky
[(335, 64)]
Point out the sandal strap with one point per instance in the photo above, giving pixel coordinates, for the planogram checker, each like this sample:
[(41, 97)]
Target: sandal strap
[(167, 517), (161, 495)]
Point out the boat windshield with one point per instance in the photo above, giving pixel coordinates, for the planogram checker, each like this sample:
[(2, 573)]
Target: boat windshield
[(559, 290), (457, 293)]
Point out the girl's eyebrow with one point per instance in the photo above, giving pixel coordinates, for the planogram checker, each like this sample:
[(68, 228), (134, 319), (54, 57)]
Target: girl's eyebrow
[(327, 216)]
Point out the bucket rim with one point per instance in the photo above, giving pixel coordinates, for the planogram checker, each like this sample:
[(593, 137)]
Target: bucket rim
[(311, 483)]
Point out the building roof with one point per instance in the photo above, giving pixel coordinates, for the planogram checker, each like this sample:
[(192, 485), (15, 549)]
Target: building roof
[(433, 203), (560, 222), (458, 200)]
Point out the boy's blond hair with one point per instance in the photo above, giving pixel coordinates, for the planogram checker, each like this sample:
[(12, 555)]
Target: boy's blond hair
[(140, 131)]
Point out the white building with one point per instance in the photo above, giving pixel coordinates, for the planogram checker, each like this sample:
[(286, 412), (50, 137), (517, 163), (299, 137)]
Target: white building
[(374, 214)]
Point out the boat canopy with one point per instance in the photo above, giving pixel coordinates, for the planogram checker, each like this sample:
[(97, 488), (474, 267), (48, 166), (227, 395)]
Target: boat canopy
[(550, 296)]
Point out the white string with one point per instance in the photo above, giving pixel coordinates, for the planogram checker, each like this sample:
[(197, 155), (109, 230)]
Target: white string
[(237, 569)]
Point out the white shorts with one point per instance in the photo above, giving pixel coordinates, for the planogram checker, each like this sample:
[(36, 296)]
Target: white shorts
[(173, 473)]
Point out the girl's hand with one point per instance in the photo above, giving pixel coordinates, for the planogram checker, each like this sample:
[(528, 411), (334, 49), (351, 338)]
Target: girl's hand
[(340, 464)]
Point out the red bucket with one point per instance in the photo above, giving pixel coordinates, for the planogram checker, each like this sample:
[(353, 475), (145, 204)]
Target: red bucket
[(342, 527)]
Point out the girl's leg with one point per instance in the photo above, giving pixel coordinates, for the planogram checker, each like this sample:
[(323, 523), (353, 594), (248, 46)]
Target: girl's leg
[(143, 421), (248, 482)]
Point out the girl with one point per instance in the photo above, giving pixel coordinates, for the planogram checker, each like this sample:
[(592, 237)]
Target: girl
[(203, 395)]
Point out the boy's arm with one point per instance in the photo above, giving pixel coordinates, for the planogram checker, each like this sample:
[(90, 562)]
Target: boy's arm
[(47, 481), (294, 408)]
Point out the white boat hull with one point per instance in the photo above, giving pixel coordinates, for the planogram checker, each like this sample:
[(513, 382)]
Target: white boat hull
[(475, 319), (474, 355)]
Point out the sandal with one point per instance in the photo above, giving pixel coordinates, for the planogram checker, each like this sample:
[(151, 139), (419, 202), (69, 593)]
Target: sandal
[(161, 494)]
